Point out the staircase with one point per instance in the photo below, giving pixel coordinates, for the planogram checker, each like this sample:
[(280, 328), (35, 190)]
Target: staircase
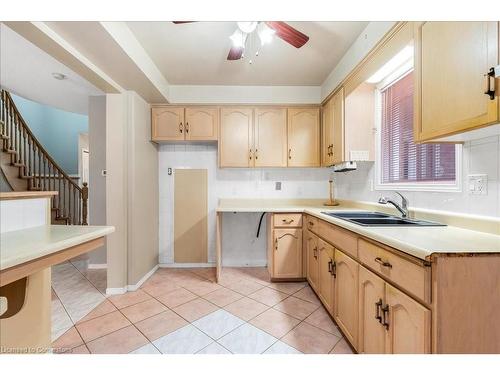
[(26, 165)]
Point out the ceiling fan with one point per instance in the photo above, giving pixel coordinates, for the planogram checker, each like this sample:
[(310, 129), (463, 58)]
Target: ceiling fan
[(265, 30)]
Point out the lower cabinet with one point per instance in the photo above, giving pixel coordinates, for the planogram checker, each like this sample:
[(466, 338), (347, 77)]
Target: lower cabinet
[(389, 320), (371, 301), (346, 296), (287, 258), (326, 272), (312, 260)]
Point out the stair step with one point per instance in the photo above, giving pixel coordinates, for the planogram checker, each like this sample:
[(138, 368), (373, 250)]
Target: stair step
[(33, 188), (2, 136), (10, 151), (25, 177), (18, 164)]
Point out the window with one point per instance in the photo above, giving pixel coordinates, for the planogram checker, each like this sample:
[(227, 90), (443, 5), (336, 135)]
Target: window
[(402, 163)]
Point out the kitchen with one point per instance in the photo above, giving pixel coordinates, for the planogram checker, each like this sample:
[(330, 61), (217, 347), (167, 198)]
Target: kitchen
[(277, 200)]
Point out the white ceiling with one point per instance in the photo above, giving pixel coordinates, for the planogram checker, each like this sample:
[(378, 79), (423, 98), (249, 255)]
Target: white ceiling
[(27, 71), (195, 53)]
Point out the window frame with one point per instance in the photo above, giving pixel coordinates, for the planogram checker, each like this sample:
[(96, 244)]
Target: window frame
[(438, 186)]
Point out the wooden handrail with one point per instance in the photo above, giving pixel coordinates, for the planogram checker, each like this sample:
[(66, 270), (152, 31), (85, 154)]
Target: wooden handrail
[(72, 200)]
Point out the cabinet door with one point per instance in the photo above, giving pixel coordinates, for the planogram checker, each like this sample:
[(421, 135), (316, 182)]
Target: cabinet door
[(303, 137), (338, 155), (202, 123), (312, 260), (451, 61), (327, 134), (346, 296), (287, 258), (371, 337), (409, 324), (325, 277), (167, 123), (270, 137), (236, 137)]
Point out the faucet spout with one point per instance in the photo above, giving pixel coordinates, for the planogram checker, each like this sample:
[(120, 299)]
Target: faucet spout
[(403, 208)]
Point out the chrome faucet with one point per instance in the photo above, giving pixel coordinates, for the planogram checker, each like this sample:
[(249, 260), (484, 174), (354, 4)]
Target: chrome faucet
[(403, 208)]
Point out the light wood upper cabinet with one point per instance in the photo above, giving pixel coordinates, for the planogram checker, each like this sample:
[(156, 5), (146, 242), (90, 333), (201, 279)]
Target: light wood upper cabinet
[(409, 324), (236, 137), (371, 301), (325, 274), (167, 123), (201, 123), (303, 137), (312, 261), (337, 148), (346, 295), (270, 137), (451, 63), (327, 134), (287, 256)]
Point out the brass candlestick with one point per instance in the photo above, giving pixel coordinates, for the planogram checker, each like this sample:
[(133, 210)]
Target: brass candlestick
[(331, 201)]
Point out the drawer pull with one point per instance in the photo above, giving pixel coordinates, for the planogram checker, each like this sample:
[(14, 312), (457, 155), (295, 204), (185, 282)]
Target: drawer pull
[(180, 127), (385, 317), (383, 263), (311, 223), (315, 253), (285, 221), (330, 264), (378, 305), (334, 269)]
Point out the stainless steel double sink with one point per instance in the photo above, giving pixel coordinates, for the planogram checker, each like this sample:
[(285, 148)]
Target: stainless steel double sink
[(379, 219)]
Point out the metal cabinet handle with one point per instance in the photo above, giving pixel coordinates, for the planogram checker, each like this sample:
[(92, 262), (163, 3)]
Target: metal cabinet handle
[(311, 223), (180, 127), (334, 269), (285, 221), (383, 263), (289, 153), (385, 317), (377, 314), (315, 252), (490, 84), (276, 244), (250, 154), (187, 127), (256, 154), (330, 267)]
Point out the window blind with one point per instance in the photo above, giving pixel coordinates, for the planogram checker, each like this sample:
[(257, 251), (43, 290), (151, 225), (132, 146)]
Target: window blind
[(403, 161)]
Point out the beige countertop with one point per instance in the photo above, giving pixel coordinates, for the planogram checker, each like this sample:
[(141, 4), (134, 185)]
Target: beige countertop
[(21, 246), (26, 194), (420, 242)]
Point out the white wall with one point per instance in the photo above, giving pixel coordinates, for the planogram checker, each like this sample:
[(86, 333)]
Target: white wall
[(479, 157), (231, 183)]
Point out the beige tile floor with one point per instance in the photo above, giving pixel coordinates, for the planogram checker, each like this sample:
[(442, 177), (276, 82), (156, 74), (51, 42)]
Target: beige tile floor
[(183, 311)]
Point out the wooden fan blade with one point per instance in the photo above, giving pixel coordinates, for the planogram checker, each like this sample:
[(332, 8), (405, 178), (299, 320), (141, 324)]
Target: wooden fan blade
[(235, 53), (181, 22), (288, 33)]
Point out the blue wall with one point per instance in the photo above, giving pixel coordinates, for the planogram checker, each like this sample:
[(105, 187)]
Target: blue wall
[(56, 130)]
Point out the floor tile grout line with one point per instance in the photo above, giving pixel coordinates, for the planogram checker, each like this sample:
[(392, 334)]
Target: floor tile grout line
[(85, 277)]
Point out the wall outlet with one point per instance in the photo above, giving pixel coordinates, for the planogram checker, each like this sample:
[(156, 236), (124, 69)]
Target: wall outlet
[(360, 155), (104, 172), (277, 186), (478, 184)]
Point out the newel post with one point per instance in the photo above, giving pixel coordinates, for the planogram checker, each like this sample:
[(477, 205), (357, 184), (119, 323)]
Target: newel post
[(85, 197)]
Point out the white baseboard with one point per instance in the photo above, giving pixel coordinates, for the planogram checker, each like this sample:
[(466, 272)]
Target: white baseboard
[(97, 266), (131, 288), (113, 291), (245, 264), (186, 265)]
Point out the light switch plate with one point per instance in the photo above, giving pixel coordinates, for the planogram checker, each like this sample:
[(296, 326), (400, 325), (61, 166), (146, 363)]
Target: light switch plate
[(278, 186), (478, 184)]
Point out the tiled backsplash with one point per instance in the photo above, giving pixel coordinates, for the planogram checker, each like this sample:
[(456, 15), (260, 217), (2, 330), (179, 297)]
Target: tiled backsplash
[(479, 157)]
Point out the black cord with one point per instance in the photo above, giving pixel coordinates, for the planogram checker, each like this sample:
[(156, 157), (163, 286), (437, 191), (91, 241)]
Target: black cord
[(260, 223)]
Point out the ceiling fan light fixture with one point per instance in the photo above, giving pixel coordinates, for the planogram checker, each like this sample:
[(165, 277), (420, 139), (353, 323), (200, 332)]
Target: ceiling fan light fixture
[(247, 27), (265, 34), (238, 38)]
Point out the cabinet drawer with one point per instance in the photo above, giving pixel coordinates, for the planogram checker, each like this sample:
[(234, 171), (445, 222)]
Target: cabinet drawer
[(410, 276), (312, 223), (287, 220), (339, 238)]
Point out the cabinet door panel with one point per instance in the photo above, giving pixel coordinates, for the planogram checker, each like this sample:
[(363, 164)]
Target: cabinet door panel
[(236, 137), (371, 299), (409, 324), (451, 62), (270, 137), (312, 260), (327, 133), (167, 124), (346, 296), (303, 137), (338, 127), (287, 259), (325, 276), (202, 123)]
